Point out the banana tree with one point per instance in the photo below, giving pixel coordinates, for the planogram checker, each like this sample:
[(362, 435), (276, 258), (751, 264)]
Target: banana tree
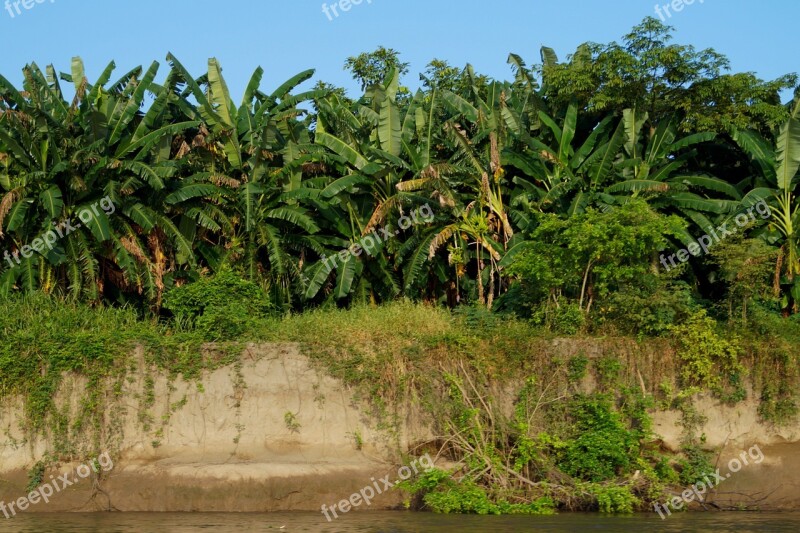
[(479, 131), (63, 158), (250, 158), (384, 159), (556, 176), (657, 166), (777, 180)]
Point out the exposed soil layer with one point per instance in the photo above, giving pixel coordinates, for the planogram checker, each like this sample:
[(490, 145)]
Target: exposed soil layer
[(275, 433)]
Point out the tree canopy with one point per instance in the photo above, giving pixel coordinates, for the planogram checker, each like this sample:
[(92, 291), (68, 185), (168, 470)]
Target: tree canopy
[(538, 173)]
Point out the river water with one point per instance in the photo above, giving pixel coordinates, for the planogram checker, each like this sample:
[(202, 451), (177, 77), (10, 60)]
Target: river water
[(396, 522)]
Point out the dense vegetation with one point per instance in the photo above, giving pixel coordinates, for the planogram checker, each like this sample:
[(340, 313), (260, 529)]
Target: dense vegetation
[(531, 423), (636, 188), (189, 183)]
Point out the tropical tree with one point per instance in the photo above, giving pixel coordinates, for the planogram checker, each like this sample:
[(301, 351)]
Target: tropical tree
[(776, 180), (479, 131), (62, 158), (649, 72), (247, 191), (383, 153), (562, 178), (661, 166), (195, 183)]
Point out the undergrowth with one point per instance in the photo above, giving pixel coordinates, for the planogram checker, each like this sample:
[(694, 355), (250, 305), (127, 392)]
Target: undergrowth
[(530, 423)]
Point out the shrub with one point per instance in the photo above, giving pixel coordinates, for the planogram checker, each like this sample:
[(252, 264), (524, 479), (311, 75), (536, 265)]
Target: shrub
[(585, 259), (649, 309), (442, 494), (221, 306), (576, 368), (695, 466), (566, 319), (614, 499), (227, 321), (603, 446), (705, 356)]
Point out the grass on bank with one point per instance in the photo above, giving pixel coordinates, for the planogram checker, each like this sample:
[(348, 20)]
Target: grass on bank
[(506, 403)]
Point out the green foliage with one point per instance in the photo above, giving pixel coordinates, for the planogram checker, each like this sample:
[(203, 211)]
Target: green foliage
[(227, 321), (576, 368), (747, 267), (564, 319), (707, 359), (651, 308), (371, 68), (44, 337), (614, 500), (476, 317), (779, 403), (695, 465), (461, 498), (665, 472), (221, 306), (281, 186), (292, 424), (36, 475), (587, 258), (602, 446), (608, 369), (440, 75), (649, 72), (442, 494)]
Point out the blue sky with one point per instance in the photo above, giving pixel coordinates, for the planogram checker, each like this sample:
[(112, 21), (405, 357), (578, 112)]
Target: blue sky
[(289, 36)]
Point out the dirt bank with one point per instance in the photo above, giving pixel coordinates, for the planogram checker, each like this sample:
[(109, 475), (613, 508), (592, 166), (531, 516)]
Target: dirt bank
[(273, 432)]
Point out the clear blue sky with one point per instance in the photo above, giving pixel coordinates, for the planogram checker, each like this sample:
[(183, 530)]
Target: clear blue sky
[(289, 36)]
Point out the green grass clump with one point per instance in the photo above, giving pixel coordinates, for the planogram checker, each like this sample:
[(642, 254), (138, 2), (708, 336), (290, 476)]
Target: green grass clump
[(44, 337)]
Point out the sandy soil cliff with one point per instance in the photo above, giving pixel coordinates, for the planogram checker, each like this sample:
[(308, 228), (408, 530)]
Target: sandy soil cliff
[(274, 433)]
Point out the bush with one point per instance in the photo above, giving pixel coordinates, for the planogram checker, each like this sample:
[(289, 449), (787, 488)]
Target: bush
[(228, 321), (650, 309), (222, 306), (585, 259), (566, 319), (462, 498), (442, 494), (695, 466), (603, 446), (614, 500), (705, 356)]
